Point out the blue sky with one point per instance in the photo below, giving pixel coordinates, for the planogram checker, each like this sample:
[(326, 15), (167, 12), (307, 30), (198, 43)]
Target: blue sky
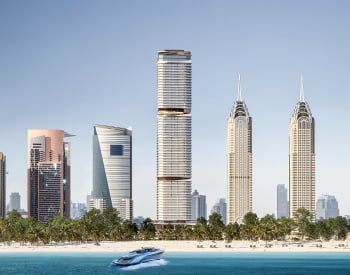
[(70, 64)]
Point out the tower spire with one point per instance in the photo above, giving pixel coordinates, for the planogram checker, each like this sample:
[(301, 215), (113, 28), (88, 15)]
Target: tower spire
[(302, 99), (239, 98)]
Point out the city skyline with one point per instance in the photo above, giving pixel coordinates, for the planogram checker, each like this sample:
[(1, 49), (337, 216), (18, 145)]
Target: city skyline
[(100, 60)]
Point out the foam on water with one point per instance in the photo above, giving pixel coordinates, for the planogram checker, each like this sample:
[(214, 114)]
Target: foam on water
[(145, 265)]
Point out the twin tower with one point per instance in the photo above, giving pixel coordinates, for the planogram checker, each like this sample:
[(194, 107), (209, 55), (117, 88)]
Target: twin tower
[(174, 147)]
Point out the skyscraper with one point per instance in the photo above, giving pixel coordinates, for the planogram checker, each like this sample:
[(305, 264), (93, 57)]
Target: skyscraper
[(199, 206), (282, 201), (220, 207), (15, 202), (326, 207), (112, 169), (2, 185), (48, 174), (302, 158), (239, 160), (174, 136)]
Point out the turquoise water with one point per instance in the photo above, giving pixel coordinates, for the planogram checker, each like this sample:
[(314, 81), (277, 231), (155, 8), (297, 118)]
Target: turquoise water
[(179, 263)]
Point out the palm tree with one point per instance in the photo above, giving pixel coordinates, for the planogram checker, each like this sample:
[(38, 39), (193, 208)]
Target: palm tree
[(202, 229), (232, 232), (111, 219), (93, 225), (3, 230), (268, 228), (187, 232), (324, 229), (340, 227), (302, 219), (14, 226), (116, 233), (147, 229), (34, 230), (216, 226), (284, 227), (197, 233), (129, 230), (250, 226)]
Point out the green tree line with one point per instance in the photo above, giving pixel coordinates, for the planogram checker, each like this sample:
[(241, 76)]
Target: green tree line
[(96, 226)]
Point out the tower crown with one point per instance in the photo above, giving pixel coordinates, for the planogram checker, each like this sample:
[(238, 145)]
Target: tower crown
[(301, 109), (239, 108)]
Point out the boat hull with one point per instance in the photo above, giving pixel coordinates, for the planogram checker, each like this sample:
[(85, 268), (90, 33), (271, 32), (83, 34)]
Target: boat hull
[(136, 257)]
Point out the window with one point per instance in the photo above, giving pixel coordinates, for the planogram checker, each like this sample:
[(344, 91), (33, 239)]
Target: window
[(116, 150)]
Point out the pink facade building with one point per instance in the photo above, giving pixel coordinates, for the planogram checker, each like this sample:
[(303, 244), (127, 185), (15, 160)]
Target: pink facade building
[(48, 174)]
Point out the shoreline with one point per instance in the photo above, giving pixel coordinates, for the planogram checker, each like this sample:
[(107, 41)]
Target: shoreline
[(185, 246)]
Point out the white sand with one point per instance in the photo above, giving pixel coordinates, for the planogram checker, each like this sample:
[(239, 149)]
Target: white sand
[(185, 246)]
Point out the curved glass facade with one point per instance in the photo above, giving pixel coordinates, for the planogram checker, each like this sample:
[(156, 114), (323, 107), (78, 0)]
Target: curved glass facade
[(112, 168), (239, 162), (174, 136)]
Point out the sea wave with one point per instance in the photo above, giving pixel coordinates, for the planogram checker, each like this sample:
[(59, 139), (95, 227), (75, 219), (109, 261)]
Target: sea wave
[(145, 265)]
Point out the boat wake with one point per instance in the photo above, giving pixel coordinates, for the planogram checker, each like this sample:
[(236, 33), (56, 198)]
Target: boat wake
[(144, 265)]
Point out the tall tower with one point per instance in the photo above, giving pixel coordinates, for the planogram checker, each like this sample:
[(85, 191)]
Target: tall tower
[(220, 207), (239, 160), (174, 136), (302, 158), (2, 185), (112, 169), (199, 206), (282, 201), (48, 174), (326, 208), (15, 202)]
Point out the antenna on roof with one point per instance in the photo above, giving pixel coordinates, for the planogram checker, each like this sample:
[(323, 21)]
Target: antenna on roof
[(302, 99), (239, 88)]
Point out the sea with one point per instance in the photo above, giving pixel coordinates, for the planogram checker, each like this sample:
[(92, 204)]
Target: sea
[(178, 263)]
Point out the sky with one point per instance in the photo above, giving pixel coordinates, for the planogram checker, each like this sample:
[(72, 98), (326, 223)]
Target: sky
[(72, 64)]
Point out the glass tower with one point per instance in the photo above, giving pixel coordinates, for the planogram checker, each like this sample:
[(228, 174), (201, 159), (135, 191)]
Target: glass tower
[(326, 208), (2, 185), (174, 136), (239, 161), (302, 158), (15, 202), (199, 206), (220, 207), (48, 174), (112, 169), (282, 201)]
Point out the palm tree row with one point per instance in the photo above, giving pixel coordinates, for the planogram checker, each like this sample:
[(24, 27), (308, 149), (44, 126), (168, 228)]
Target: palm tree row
[(107, 225), (267, 228), (93, 226)]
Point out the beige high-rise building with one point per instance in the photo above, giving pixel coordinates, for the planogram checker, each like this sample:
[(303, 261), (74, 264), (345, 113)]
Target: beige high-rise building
[(239, 161), (174, 136), (302, 158)]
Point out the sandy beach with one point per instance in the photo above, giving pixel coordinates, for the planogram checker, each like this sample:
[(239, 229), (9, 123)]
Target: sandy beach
[(185, 246)]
